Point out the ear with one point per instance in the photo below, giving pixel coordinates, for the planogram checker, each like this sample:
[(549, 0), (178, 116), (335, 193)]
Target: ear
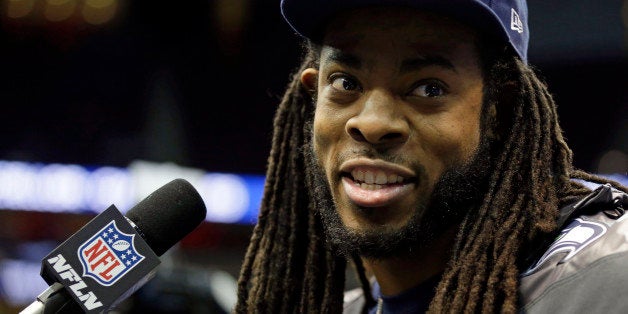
[(309, 79)]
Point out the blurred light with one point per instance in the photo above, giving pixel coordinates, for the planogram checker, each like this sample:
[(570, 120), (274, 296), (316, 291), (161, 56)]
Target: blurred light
[(231, 14), (99, 11), (61, 187), (19, 8), (21, 281), (109, 186), (18, 182), (225, 196), (230, 198), (224, 289), (59, 10), (149, 176), (230, 18)]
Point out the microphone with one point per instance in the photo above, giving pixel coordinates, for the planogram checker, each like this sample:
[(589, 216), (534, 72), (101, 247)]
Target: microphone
[(113, 255)]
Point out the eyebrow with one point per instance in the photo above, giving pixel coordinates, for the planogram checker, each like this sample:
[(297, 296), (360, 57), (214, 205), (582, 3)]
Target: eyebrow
[(415, 64), (339, 56), (408, 65)]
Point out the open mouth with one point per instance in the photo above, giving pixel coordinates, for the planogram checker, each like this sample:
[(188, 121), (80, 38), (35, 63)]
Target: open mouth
[(376, 183), (375, 187), (375, 179), (372, 180)]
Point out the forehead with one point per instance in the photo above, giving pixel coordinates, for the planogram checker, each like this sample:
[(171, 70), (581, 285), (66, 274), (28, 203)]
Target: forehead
[(400, 30)]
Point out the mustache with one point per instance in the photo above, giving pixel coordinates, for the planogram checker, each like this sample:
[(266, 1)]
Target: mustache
[(353, 152), (384, 155)]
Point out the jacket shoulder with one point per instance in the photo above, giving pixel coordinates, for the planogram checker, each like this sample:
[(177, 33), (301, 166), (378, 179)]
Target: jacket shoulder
[(582, 270)]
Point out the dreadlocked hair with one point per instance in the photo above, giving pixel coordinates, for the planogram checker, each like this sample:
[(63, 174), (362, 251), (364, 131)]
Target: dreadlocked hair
[(288, 268), (531, 180)]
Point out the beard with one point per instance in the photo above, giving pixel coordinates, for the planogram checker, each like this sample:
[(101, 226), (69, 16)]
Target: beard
[(458, 192)]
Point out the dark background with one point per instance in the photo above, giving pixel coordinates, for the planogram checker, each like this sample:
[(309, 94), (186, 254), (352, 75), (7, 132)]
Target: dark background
[(197, 82)]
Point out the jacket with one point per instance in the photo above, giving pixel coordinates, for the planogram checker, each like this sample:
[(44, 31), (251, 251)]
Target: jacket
[(586, 266), (583, 268)]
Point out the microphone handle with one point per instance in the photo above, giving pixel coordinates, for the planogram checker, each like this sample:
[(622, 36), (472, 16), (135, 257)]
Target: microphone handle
[(53, 300)]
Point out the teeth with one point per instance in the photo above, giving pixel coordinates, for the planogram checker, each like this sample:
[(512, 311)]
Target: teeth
[(358, 175), (381, 178), (366, 186), (375, 178)]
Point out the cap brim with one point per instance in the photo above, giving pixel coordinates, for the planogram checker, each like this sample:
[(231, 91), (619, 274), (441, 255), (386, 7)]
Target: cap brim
[(307, 18)]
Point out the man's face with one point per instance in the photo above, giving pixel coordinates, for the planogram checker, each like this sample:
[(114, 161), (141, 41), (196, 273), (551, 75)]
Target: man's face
[(399, 97)]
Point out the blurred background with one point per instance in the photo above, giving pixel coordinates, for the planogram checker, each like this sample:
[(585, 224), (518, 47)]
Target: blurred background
[(103, 101)]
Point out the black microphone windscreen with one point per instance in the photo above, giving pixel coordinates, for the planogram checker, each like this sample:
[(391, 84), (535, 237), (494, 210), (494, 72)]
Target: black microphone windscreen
[(168, 214)]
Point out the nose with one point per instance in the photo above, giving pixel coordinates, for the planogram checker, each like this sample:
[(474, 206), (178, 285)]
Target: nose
[(379, 122)]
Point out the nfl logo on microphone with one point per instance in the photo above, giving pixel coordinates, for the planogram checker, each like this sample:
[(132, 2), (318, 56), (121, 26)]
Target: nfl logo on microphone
[(108, 255)]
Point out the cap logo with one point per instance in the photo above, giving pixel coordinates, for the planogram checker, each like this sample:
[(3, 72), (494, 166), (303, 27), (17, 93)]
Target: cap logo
[(573, 239), (515, 21)]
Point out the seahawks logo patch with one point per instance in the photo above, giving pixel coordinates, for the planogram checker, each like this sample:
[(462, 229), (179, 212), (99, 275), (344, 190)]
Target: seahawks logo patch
[(578, 235)]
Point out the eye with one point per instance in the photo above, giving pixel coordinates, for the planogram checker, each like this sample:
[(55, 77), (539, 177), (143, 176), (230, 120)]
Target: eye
[(343, 82), (429, 89)]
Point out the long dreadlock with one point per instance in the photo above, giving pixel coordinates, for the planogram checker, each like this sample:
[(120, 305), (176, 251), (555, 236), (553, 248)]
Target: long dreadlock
[(289, 268), (532, 179)]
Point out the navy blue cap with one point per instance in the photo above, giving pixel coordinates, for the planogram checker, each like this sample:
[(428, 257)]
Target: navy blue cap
[(508, 19)]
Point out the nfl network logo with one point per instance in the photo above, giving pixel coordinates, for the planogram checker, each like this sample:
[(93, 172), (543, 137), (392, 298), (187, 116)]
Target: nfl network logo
[(515, 21), (108, 255)]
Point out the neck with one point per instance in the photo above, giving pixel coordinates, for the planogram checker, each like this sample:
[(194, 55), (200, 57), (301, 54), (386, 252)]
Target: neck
[(397, 274)]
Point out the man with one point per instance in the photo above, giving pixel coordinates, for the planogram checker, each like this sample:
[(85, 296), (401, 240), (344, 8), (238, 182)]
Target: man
[(416, 145)]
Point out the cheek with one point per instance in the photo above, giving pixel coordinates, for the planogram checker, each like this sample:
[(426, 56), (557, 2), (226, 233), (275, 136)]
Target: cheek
[(454, 137), (326, 136), (469, 130), (464, 136)]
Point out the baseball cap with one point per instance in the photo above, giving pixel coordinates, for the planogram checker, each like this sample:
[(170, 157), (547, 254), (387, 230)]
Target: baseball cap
[(507, 19)]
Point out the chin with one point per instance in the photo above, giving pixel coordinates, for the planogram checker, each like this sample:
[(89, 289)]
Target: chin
[(365, 219)]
